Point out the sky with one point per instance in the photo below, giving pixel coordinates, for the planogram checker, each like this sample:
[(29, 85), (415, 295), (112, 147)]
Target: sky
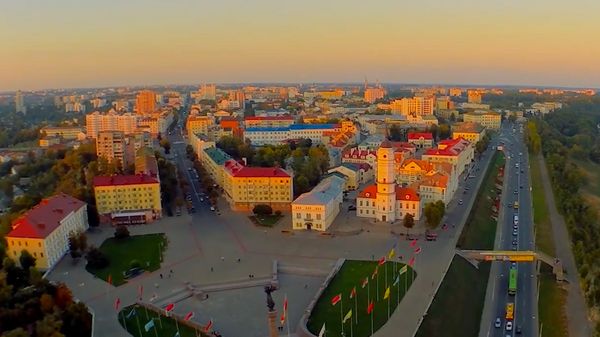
[(95, 43)]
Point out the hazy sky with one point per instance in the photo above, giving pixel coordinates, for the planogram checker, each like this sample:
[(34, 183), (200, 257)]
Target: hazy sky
[(76, 43)]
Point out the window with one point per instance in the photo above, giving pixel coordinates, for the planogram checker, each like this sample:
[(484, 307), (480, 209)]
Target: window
[(360, 203), (318, 216), (41, 254), (298, 215)]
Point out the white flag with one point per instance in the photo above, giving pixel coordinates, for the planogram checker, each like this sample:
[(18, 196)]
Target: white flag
[(322, 333)]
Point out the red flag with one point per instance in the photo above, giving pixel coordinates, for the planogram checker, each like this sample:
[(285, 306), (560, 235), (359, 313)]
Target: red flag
[(208, 326), (365, 282), (418, 250), (411, 262), (370, 307), (381, 261), (169, 307), (285, 303), (109, 279), (117, 304), (282, 319), (374, 273), (140, 291), (188, 316), (336, 299), (353, 292), (413, 243)]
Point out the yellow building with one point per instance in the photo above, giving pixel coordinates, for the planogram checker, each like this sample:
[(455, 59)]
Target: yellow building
[(212, 160), (49, 141), (457, 152), (44, 230), (489, 119), (145, 102), (373, 94), (474, 96), (127, 199), (246, 187), (473, 132), (198, 124)]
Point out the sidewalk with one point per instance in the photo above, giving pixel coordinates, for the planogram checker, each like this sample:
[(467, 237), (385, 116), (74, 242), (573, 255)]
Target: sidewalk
[(579, 325)]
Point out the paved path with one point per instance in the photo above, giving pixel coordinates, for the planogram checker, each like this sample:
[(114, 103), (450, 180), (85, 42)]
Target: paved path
[(579, 326)]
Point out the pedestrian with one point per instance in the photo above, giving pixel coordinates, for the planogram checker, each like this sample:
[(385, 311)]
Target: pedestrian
[(239, 259), (222, 258), (305, 286), (211, 269), (171, 271), (161, 276)]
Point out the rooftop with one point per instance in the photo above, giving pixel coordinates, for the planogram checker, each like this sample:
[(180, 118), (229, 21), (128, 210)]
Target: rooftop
[(326, 191), (45, 217), (468, 127), (269, 118), (121, 180), (419, 135), (217, 155)]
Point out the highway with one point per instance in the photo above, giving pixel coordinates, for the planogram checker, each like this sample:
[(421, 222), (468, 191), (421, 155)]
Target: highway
[(521, 237)]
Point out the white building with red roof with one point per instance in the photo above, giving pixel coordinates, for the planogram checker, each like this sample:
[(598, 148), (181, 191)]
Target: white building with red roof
[(385, 200), (422, 140), (44, 230)]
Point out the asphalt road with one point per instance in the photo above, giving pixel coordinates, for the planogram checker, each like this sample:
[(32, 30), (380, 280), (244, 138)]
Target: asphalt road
[(517, 190)]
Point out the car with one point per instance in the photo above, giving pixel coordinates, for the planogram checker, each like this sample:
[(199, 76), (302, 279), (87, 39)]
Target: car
[(518, 330), (515, 232), (509, 326), (201, 199), (513, 265), (498, 322), (460, 201), (189, 168), (212, 208), (352, 208), (522, 171), (516, 192), (133, 272), (521, 187), (515, 226)]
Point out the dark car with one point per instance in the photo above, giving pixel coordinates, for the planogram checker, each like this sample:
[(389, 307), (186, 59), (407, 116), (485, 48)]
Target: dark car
[(352, 208), (133, 272)]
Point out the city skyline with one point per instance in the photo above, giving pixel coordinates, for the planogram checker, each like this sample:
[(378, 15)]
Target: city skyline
[(104, 44)]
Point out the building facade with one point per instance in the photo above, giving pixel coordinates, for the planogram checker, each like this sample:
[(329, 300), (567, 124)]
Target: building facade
[(421, 140), (317, 209), (488, 119), (44, 230), (96, 122), (145, 102), (457, 152), (473, 132)]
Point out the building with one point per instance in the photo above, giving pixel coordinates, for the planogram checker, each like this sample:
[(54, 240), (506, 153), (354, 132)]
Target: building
[(385, 201), (127, 199), (457, 152), (231, 126), (374, 94), (20, 103), (208, 92), (488, 119), (356, 174), (268, 121), (117, 147), (111, 121), (473, 132), (434, 187), (317, 209), (455, 92), (245, 187), (197, 124), (156, 123), (413, 107), (145, 163), (44, 230), (444, 103), (65, 132), (145, 102), (260, 136), (421, 140), (213, 160), (474, 96), (77, 107)]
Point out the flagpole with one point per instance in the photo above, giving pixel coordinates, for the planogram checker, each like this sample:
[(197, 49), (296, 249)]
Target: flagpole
[(388, 307), (351, 329), (342, 313), (405, 282), (137, 318), (154, 325), (356, 307), (378, 285), (372, 310), (160, 319), (386, 274), (287, 319), (176, 324)]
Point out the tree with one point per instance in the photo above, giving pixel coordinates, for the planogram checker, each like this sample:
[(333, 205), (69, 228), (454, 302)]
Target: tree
[(408, 222), (26, 260), (444, 131), (121, 232), (18, 332), (395, 133), (96, 259), (77, 321), (434, 212), (48, 327), (262, 210), (46, 303)]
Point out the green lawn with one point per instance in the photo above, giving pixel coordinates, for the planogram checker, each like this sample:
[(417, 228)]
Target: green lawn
[(456, 308), (265, 220), (351, 275), (135, 318), (551, 306), (147, 249), (543, 227), (480, 229)]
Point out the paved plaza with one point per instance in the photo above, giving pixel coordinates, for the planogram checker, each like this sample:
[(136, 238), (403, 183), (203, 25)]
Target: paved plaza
[(205, 240)]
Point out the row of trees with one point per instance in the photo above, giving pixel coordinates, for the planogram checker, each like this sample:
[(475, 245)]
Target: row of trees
[(559, 148)]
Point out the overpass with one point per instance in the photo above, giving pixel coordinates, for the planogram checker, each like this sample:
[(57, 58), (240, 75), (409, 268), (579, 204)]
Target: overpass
[(514, 256)]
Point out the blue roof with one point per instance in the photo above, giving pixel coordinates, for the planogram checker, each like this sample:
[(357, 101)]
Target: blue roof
[(267, 129), (312, 126)]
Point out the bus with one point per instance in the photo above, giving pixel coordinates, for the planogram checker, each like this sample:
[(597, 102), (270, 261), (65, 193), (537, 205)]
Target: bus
[(512, 282), (510, 311), (516, 205)]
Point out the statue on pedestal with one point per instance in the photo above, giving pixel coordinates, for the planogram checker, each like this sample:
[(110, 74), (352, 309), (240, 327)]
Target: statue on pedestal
[(270, 303)]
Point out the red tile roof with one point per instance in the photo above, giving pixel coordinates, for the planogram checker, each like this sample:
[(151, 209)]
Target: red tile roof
[(238, 170), (406, 193), (45, 217), (452, 147), (120, 180), (368, 192), (419, 135)]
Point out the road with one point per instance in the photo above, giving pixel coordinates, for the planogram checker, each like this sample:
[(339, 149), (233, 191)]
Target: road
[(511, 237)]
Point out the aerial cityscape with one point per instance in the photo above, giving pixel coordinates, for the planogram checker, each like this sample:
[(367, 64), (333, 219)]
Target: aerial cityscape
[(312, 169)]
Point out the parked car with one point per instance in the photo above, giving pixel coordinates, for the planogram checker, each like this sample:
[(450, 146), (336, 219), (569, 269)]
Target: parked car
[(352, 208), (133, 272)]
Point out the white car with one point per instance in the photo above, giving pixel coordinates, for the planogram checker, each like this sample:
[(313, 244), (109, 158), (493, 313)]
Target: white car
[(212, 208), (509, 326), (498, 322)]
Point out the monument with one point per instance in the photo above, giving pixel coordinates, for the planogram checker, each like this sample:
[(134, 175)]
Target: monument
[(272, 313)]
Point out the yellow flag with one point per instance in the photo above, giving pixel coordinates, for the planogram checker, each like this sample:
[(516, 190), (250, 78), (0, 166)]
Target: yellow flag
[(348, 316), (387, 293), (391, 254), (403, 269)]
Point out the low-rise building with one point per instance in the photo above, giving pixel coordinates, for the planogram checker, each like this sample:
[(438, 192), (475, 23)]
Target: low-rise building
[(213, 159), (457, 152), (473, 132), (127, 199), (318, 208), (356, 174), (489, 119), (65, 132), (44, 230), (421, 140), (198, 124), (268, 121)]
